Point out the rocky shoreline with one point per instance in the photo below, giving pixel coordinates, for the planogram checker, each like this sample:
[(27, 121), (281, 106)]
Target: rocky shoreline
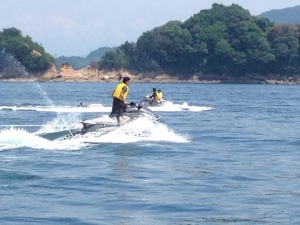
[(88, 74)]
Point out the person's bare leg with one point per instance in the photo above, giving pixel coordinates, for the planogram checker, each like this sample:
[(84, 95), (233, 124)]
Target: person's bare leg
[(120, 120)]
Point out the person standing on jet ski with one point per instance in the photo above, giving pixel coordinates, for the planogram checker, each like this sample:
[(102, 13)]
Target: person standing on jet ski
[(119, 100)]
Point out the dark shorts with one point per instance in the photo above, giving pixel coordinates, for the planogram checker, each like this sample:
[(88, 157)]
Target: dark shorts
[(118, 108)]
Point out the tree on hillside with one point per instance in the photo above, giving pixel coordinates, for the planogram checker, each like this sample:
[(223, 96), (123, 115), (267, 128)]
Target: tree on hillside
[(28, 53), (225, 40), (284, 39)]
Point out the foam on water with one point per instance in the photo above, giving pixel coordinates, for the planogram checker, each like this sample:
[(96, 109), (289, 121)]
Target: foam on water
[(172, 107), (64, 122), (15, 138), (167, 107), (141, 129), (58, 109)]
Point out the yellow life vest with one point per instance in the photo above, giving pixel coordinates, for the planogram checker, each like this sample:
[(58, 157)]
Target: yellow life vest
[(118, 91), (158, 96)]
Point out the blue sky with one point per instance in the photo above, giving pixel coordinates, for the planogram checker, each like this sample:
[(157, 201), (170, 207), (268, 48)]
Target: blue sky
[(77, 27)]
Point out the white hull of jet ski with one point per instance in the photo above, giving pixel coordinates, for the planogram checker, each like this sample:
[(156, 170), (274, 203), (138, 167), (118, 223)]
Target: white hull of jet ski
[(132, 111), (98, 123)]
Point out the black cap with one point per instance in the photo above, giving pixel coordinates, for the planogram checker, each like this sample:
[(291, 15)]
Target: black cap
[(125, 79), (159, 90), (154, 89)]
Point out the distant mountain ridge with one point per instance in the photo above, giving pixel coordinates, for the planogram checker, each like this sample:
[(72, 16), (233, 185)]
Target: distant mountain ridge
[(78, 62), (289, 15)]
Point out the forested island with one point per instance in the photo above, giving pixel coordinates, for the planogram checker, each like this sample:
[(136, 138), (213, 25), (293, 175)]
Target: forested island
[(224, 42)]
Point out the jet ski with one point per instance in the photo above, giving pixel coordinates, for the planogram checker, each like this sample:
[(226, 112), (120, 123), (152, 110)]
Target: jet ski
[(132, 111), (147, 101)]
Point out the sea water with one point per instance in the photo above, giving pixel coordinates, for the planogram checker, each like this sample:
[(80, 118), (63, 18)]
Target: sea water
[(220, 154)]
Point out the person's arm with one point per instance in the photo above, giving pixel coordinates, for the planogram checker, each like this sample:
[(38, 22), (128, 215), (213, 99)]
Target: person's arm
[(124, 89), (153, 95)]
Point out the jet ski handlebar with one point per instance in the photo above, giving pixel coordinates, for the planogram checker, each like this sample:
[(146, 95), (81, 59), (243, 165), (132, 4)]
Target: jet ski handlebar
[(132, 104)]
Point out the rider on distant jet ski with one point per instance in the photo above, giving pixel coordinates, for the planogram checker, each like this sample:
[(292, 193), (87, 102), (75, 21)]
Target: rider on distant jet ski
[(155, 99)]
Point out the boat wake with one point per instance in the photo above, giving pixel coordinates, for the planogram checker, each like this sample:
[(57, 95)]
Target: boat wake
[(62, 133), (172, 107), (141, 129), (58, 109), (149, 131), (167, 107)]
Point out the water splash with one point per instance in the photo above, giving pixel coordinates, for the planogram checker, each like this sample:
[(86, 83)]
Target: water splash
[(12, 138), (141, 129), (173, 107), (167, 107), (12, 65), (71, 121)]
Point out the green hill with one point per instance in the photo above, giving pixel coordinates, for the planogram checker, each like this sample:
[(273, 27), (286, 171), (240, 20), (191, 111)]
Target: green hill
[(226, 41), (15, 48)]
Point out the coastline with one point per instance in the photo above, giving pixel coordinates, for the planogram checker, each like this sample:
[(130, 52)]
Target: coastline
[(88, 74), (147, 80)]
